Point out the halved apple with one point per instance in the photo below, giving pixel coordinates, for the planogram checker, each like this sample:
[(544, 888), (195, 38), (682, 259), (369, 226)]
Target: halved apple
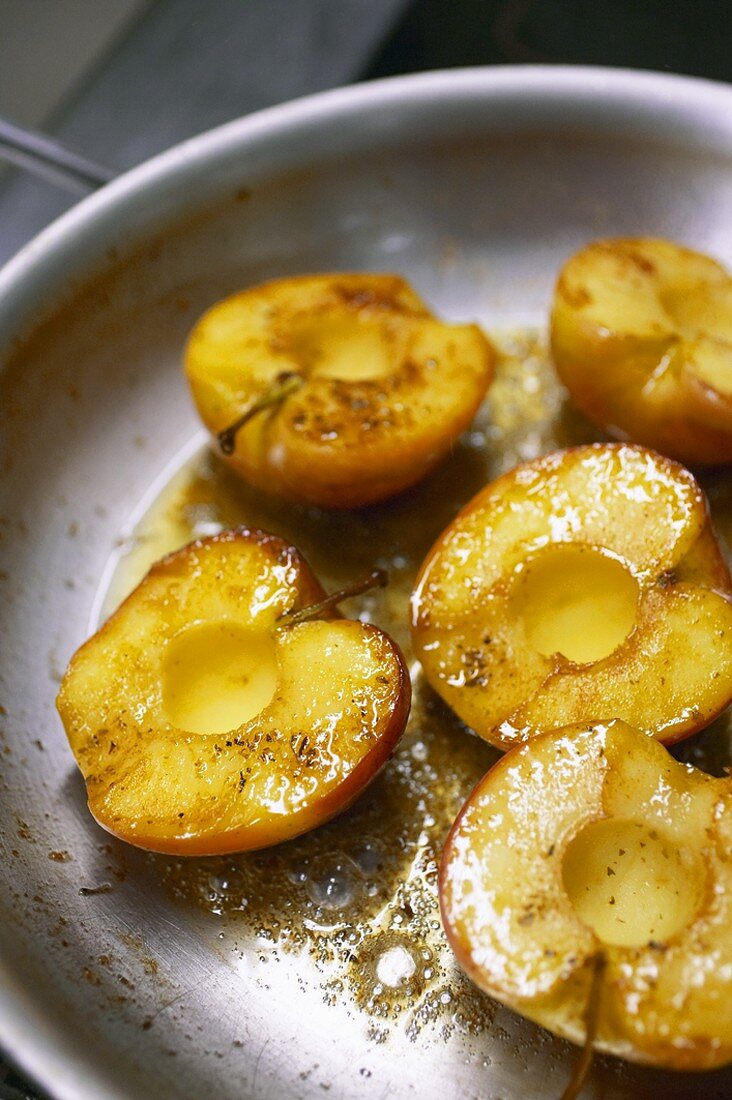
[(206, 718), (587, 584), (359, 391), (641, 334), (593, 843)]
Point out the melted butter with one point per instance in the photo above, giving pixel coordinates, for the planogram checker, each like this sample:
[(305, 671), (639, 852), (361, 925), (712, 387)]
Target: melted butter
[(359, 895)]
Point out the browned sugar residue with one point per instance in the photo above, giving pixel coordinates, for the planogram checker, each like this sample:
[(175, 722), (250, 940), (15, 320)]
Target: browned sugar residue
[(359, 895)]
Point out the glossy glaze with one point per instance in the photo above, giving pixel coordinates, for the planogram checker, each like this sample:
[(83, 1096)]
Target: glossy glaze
[(524, 936), (476, 185), (365, 886), (665, 665), (348, 435), (641, 334), (321, 703)]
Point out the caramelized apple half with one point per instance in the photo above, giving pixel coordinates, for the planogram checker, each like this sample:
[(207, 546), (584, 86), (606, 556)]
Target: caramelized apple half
[(593, 843), (641, 334), (586, 584), (206, 717), (365, 390)]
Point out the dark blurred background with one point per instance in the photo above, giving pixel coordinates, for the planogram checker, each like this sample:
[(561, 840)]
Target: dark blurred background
[(682, 36), (123, 79)]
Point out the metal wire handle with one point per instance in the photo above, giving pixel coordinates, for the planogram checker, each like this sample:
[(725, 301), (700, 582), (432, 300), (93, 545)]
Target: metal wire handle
[(44, 157)]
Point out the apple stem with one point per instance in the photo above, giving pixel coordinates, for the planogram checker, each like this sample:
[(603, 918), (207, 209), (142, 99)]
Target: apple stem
[(377, 578), (284, 384), (592, 1012)]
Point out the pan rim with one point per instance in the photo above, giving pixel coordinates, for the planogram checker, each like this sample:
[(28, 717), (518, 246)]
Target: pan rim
[(32, 278), (78, 238)]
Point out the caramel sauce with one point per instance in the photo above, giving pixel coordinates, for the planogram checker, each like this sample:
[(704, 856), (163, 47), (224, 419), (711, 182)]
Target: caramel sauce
[(359, 895)]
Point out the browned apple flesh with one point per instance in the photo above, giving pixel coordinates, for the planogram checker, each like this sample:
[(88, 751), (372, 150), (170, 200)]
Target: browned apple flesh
[(594, 842), (585, 585), (377, 389), (641, 333), (204, 721)]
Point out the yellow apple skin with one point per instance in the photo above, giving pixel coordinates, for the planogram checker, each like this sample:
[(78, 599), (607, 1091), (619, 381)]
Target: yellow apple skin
[(585, 585), (641, 335), (327, 701), (527, 918), (386, 387)]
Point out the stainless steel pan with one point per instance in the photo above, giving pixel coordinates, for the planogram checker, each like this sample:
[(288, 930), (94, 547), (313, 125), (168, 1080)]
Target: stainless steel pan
[(475, 185)]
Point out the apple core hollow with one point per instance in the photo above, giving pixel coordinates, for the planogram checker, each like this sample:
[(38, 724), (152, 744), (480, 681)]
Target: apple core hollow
[(341, 344), (699, 309), (216, 676), (631, 884), (576, 601)]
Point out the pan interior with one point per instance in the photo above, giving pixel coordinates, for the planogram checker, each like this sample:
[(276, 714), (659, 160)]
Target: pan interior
[(318, 968)]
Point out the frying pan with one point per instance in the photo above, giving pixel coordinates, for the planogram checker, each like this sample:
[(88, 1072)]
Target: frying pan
[(475, 185)]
